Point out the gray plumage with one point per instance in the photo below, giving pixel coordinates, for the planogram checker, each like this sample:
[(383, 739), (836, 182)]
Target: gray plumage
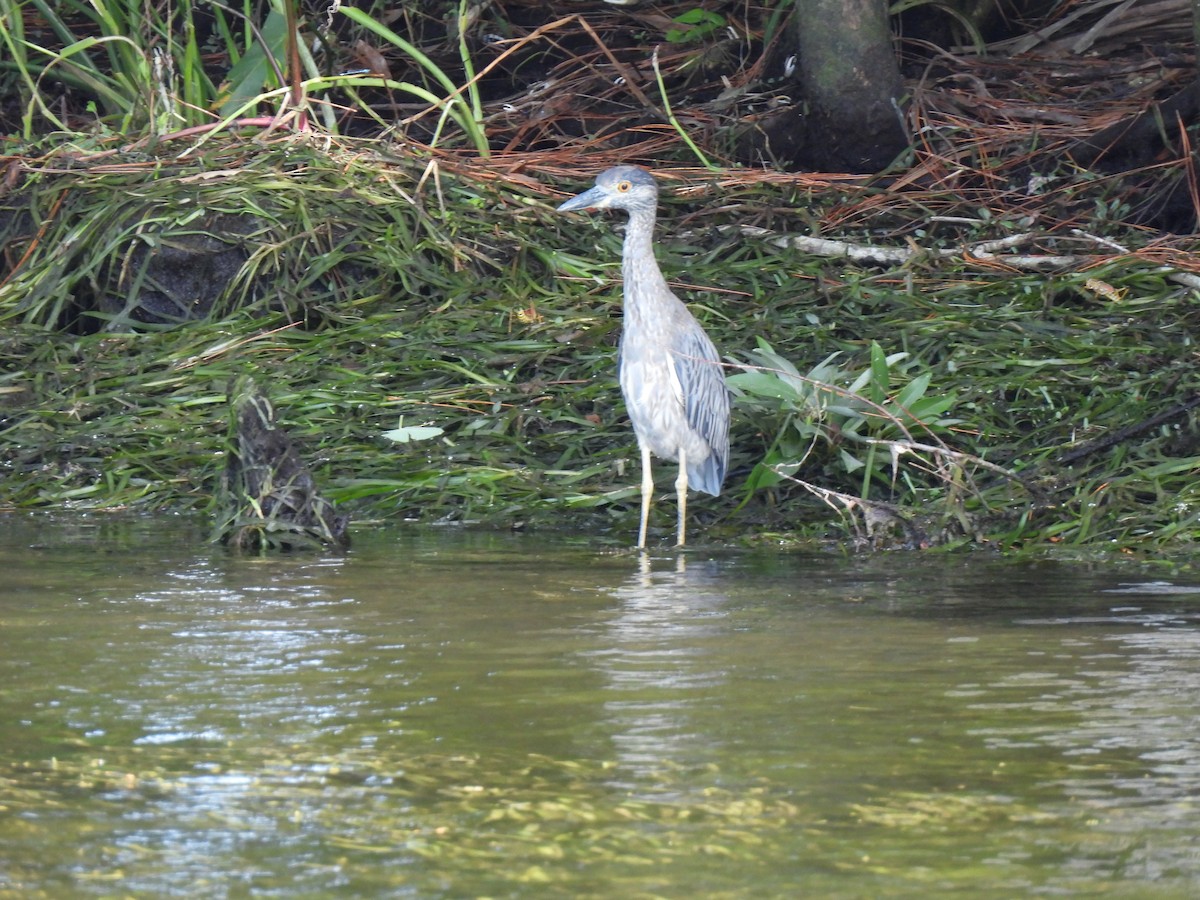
[(669, 370)]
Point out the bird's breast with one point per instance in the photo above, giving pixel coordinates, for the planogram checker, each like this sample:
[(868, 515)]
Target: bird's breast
[(655, 402)]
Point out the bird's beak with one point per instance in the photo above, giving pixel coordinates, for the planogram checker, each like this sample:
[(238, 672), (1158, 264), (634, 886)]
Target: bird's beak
[(596, 198)]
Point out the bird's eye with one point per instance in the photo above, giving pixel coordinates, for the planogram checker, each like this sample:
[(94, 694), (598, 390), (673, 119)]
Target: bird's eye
[(623, 187)]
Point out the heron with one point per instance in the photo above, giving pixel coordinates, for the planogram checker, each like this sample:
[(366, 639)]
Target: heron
[(668, 368)]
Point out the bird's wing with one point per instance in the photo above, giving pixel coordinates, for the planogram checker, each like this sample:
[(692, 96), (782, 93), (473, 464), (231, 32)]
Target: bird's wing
[(705, 396)]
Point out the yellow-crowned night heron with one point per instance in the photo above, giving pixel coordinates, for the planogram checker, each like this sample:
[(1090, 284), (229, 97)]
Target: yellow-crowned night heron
[(669, 370)]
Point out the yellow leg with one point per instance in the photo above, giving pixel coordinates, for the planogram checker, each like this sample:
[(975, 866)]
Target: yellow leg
[(647, 496), (681, 492)]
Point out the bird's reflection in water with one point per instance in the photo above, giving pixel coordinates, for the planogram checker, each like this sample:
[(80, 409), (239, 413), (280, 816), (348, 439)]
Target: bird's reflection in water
[(659, 661)]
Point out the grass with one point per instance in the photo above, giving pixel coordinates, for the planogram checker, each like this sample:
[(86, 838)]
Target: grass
[(365, 295), (358, 301)]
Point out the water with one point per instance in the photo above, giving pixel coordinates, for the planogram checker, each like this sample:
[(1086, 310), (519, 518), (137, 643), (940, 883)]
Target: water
[(481, 715)]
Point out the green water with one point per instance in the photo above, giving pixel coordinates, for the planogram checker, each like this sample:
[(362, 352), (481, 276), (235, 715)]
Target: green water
[(478, 715)]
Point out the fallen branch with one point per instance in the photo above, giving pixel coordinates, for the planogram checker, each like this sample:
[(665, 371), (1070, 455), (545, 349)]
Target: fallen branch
[(1129, 431), (898, 448), (985, 252), (874, 512), (868, 253)]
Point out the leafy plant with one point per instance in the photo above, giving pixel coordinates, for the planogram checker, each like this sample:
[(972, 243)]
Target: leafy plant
[(140, 70), (466, 111), (139, 64), (695, 25), (854, 423)]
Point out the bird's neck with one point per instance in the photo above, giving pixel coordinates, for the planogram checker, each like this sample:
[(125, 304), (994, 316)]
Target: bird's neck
[(643, 280)]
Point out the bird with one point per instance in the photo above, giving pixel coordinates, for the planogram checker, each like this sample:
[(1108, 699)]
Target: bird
[(668, 368)]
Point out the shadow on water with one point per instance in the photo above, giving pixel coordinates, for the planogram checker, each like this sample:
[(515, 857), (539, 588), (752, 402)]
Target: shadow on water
[(446, 715)]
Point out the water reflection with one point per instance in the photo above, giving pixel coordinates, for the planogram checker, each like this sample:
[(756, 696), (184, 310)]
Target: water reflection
[(657, 662)]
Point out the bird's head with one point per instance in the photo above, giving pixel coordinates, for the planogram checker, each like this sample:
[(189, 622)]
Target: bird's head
[(621, 187)]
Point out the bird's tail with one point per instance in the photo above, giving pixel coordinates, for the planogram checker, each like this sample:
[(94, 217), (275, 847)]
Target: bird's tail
[(708, 475)]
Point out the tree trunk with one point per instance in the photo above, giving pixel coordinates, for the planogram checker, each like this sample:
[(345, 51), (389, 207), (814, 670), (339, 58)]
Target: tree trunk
[(849, 117)]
